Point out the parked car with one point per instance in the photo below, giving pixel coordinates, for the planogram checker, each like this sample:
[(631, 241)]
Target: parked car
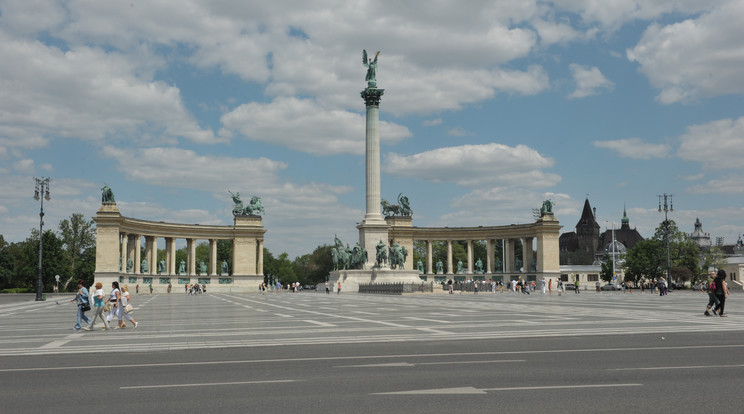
[(698, 286), (611, 286), (569, 286)]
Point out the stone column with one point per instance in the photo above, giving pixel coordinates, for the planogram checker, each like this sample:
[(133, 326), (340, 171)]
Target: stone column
[(489, 256), (213, 257), (124, 252), (137, 254), (170, 255), (191, 249), (154, 259), (527, 253), (373, 228), (509, 255), (449, 257), (148, 253), (429, 258), (259, 255), (471, 268)]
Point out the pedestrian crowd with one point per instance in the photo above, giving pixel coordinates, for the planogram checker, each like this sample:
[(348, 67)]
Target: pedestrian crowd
[(118, 304)]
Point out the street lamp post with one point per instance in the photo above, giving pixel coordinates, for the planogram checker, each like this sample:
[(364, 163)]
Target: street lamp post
[(668, 206), (40, 194), (614, 254)]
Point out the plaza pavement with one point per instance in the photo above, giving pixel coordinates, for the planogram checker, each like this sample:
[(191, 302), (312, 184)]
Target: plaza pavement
[(176, 321)]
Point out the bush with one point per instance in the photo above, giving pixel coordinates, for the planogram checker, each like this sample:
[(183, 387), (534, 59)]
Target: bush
[(18, 290)]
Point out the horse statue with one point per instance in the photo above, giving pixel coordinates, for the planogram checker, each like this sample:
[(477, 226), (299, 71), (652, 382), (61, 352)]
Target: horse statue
[(358, 257), (381, 257), (251, 209), (402, 209), (254, 207), (398, 256), (341, 258)]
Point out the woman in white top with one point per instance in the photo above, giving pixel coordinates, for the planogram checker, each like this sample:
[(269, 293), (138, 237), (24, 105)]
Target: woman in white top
[(114, 301), (124, 300)]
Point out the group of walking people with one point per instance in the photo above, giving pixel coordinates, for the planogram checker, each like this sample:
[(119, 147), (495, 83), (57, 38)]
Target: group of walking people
[(118, 303), (717, 293)]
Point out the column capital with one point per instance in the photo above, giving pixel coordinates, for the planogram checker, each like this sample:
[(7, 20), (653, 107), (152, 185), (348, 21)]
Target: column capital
[(372, 96)]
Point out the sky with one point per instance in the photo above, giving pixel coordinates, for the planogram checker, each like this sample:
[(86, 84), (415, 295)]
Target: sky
[(490, 107)]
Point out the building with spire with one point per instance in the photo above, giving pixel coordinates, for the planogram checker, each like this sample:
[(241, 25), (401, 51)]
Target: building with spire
[(701, 238)]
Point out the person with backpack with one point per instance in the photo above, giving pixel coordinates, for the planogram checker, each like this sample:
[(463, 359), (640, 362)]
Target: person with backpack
[(710, 287)]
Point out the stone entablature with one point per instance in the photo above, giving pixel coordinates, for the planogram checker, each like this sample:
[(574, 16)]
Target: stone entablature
[(119, 239)]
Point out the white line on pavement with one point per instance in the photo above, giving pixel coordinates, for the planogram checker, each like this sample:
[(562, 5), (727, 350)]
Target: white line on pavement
[(205, 384)]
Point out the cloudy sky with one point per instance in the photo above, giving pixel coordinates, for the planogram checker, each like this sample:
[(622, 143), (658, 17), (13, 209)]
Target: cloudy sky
[(490, 107)]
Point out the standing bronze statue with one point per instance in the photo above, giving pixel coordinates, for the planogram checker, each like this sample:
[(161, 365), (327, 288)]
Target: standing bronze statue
[(371, 66)]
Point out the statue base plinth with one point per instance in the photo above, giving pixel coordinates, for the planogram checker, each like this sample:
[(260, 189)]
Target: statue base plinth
[(350, 279)]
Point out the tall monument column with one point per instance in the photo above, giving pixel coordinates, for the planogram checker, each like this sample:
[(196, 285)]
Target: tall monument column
[(373, 228)]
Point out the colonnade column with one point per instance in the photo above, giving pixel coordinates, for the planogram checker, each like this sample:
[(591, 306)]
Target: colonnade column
[(191, 249), (130, 251), (137, 255), (449, 257), (212, 257), (508, 255), (489, 256), (259, 264), (471, 268), (170, 255), (429, 259), (124, 251), (527, 253), (148, 254)]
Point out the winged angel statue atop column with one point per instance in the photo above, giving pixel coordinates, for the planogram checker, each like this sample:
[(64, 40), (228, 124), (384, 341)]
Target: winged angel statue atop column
[(371, 66)]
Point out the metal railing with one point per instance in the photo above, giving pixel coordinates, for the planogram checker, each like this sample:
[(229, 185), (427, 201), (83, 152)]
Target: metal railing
[(396, 288)]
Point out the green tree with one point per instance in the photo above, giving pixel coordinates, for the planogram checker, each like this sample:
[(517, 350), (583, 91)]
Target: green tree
[(78, 238), (646, 259), (54, 262), (315, 267), (683, 252), (714, 258), (606, 272)]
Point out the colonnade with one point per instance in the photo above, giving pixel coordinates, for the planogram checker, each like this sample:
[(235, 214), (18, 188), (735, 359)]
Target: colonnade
[(543, 234), (119, 240)]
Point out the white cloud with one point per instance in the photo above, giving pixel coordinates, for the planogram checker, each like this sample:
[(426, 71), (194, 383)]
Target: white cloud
[(499, 205), (695, 58), (83, 93), (476, 165), (24, 166), (635, 148), (303, 125), (728, 185), (432, 122), (589, 81), (717, 145)]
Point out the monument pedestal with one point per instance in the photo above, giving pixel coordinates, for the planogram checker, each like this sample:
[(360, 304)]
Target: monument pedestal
[(350, 279), (370, 234)]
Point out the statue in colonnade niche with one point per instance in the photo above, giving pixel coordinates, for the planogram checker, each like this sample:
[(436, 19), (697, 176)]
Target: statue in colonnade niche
[(479, 266), (440, 267), (420, 266), (182, 267), (224, 268), (517, 264), (130, 265), (144, 268), (107, 195), (202, 268), (161, 266)]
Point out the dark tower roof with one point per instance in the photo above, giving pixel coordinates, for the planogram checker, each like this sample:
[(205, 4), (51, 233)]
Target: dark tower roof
[(587, 218)]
